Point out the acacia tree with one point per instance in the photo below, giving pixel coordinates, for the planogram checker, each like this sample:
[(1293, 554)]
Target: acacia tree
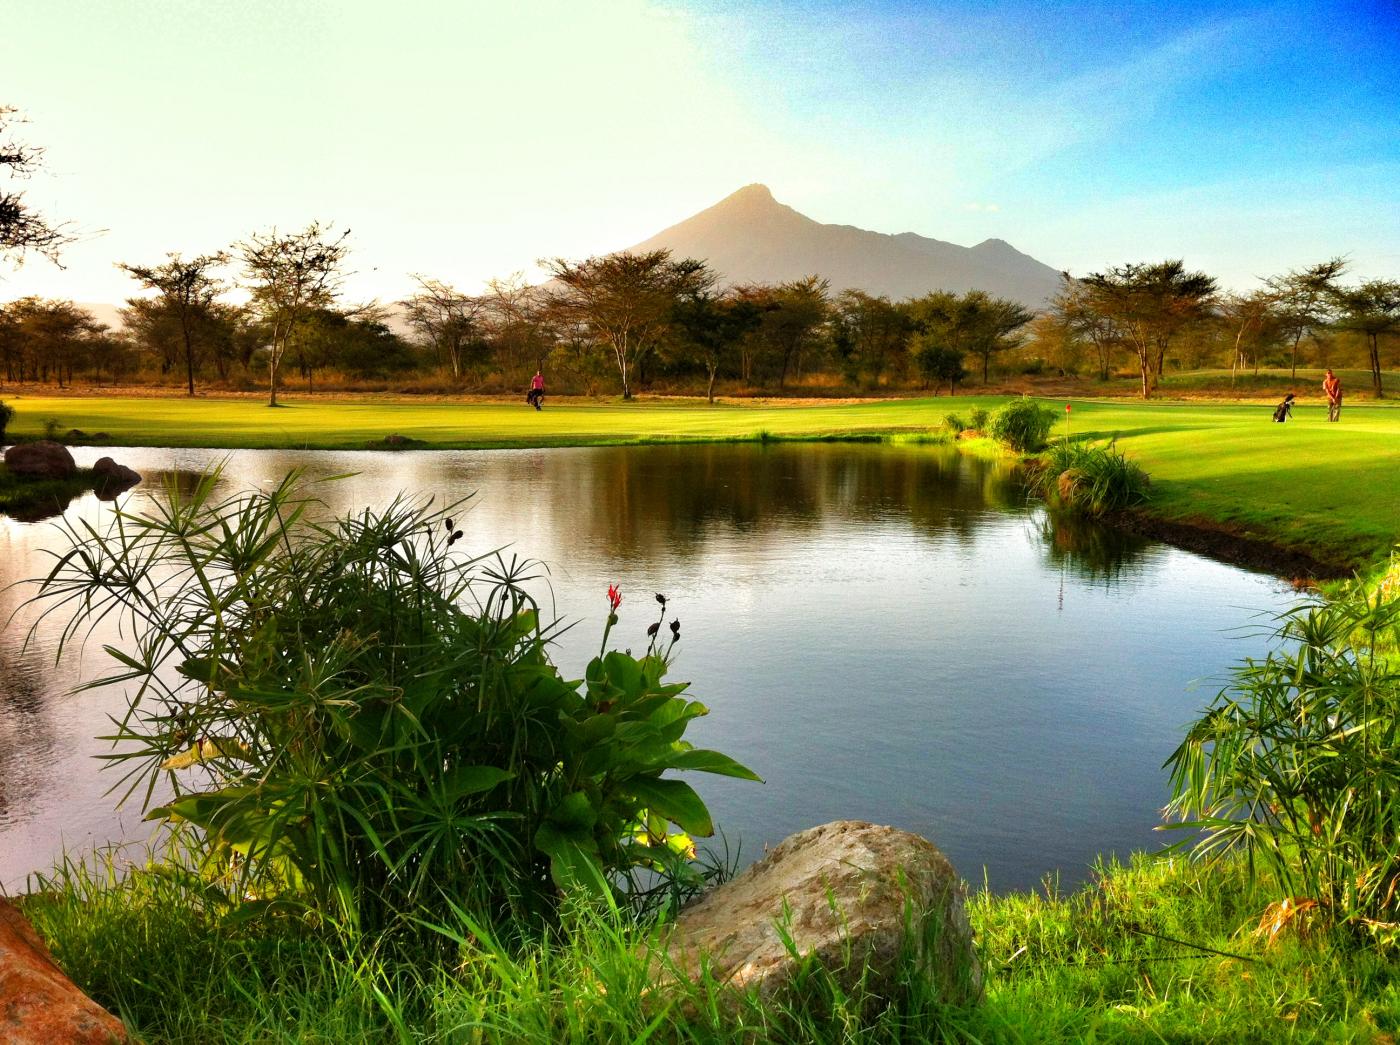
[(868, 334), (21, 229), (1253, 321), (188, 289), (998, 328), (709, 328), (975, 322), (290, 276), (522, 329), (1074, 305), (52, 338), (1151, 305), (1371, 309), (447, 319), (626, 300), (1303, 299)]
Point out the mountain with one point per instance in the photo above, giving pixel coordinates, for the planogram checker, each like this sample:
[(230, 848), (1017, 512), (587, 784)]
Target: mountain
[(107, 314), (749, 237)]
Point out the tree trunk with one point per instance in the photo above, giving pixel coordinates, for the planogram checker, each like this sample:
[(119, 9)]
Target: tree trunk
[(710, 389), (189, 356), (1295, 354), (1376, 365)]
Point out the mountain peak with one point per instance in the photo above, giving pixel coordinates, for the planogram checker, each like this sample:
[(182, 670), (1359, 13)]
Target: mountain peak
[(749, 237), (756, 192)]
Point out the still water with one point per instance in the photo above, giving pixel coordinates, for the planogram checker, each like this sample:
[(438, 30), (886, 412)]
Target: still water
[(883, 633)]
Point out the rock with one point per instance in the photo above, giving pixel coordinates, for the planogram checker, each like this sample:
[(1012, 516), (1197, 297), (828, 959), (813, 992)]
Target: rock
[(1067, 485), (43, 460), (110, 478), (38, 1004), (867, 873)]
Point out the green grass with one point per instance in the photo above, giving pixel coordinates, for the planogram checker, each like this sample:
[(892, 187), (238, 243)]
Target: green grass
[(1134, 956), (1330, 490)]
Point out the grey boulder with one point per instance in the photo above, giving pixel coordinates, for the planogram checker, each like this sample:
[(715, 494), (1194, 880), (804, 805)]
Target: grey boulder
[(849, 895)]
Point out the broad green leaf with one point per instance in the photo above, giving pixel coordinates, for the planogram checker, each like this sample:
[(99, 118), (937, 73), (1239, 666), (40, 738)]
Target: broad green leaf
[(472, 780), (573, 864), (703, 761), (574, 812), (676, 800)]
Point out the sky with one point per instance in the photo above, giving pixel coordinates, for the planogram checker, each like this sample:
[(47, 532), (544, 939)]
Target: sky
[(466, 140)]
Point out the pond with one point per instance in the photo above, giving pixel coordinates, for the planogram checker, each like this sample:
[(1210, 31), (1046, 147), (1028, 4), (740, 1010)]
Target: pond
[(886, 633)]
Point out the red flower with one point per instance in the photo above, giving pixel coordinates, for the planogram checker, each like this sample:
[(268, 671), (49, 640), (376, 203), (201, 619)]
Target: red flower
[(614, 596)]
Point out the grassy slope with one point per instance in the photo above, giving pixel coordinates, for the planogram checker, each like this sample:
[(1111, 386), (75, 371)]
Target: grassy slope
[(1330, 489)]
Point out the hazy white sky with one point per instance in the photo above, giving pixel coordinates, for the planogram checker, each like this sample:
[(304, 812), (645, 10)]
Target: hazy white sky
[(465, 140)]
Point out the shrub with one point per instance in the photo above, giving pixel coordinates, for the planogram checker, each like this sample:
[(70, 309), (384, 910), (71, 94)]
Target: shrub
[(1297, 761), (359, 719), (1022, 424), (954, 422), (978, 418), (1091, 478), (7, 412)]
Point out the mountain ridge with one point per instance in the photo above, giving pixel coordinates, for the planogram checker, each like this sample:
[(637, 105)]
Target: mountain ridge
[(751, 237)]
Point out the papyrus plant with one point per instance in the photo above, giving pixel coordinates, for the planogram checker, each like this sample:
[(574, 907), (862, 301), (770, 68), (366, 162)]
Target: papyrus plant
[(355, 716), (1297, 761)]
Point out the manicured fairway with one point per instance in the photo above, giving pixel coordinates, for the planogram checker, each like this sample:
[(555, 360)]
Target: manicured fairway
[(1331, 489)]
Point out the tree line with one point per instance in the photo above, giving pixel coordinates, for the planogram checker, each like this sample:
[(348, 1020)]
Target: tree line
[(636, 320), (626, 321)]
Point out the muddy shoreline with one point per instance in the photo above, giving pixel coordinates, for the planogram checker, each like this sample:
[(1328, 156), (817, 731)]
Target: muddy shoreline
[(1219, 542)]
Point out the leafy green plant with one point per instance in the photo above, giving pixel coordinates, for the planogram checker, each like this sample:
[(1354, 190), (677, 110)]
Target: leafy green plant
[(978, 418), (7, 414), (954, 422), (1297, 761), (1022, 424), (355, 717), (1090, 478)]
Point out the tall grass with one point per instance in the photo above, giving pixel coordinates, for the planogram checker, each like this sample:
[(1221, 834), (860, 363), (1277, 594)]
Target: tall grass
[(1022, 424), (1090, 478), (1151, 951)]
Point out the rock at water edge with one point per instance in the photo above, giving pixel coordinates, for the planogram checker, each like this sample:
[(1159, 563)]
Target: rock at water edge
[(853, 895)]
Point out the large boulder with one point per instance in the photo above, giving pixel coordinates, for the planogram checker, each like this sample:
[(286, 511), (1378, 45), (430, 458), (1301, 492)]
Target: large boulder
[(38, 1004), (851, 894), (110, 478), (44, 460)]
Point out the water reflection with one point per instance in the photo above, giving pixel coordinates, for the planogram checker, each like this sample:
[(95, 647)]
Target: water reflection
[(1091, 551), (885, 633)]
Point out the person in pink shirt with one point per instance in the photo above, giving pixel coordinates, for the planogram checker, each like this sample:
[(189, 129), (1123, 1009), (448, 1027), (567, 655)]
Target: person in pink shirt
[(1333, 388), (536, 393)]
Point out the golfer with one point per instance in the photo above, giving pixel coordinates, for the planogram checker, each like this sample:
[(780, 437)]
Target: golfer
[(1333, 388)]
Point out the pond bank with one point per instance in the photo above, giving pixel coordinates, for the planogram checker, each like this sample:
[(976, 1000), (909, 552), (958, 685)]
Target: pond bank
[(1330, 493)]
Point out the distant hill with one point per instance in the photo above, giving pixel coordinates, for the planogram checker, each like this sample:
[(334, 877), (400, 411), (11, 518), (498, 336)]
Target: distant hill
[(750, 237), (105, 313)]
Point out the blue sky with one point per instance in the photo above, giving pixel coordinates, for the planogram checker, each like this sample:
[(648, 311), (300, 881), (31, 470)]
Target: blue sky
[(466, 140)]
